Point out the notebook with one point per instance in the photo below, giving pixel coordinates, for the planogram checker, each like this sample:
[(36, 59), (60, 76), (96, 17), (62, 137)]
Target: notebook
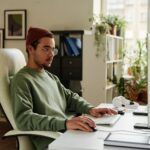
[(128, 140)]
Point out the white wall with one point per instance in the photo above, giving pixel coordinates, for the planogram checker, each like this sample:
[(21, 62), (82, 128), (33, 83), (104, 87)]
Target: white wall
[(60, 15), (93, 72), (50, 14)]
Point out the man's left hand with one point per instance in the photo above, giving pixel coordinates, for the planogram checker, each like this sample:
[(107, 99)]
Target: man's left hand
[(98, 112)]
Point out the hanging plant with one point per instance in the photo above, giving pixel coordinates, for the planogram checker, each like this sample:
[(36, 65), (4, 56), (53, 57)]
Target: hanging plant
[(101, 29)]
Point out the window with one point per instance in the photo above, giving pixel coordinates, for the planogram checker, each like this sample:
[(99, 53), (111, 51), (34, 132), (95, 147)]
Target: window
[(135, 13)]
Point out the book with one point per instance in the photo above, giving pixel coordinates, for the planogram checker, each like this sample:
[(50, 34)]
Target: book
[(67, 50), (73, 45), (77, 43), (134, 140)]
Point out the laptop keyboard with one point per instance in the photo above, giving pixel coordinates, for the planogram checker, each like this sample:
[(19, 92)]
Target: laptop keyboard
[(106, 119), (142, 110)]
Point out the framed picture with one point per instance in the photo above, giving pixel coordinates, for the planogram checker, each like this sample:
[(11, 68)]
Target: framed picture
[(15, 24), (1, 38)]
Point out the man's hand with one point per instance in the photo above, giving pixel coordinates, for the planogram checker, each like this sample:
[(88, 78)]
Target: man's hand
[(98, 112), (81, 123)]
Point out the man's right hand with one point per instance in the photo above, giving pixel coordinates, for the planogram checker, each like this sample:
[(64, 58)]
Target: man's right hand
[(80, 123)]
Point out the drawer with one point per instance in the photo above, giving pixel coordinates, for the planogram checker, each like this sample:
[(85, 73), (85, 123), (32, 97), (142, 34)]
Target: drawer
[(74, 62), (72, 74)]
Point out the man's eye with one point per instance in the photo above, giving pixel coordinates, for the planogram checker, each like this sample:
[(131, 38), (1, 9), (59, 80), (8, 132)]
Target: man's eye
[(46, 49)]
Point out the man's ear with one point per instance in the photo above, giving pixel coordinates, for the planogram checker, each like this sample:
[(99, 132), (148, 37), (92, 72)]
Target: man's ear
[(30, 49)]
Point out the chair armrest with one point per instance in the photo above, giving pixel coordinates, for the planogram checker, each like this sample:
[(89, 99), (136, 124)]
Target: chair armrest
[(49, 134)]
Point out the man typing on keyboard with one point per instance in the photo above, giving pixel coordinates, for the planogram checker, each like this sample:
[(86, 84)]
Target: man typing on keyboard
[(85, 123), (40, 101)]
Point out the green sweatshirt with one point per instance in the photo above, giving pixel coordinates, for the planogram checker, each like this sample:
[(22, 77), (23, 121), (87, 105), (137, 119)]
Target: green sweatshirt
[(41, 102)]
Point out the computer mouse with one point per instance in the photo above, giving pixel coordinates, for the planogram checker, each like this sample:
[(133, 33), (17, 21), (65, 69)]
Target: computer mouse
[(120, 112), (94, 129)]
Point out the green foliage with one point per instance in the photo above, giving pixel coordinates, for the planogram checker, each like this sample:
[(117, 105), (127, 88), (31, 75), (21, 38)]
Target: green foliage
[(104, 25), (121, 86), (136, 89), (139, 65)]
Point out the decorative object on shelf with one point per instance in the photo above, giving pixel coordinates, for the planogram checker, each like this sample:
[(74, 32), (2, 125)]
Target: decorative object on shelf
[(1, 38), (15, 24)]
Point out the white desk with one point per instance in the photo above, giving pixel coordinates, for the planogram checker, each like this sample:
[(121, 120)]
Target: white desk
[(125, 123)]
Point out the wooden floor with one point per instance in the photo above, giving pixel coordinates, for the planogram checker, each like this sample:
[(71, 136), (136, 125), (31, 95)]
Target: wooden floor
[(8, 143)]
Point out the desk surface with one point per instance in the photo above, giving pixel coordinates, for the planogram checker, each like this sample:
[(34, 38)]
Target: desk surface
[(124, 124)]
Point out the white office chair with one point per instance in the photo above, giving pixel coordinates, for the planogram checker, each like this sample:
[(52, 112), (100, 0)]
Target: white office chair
[(12, 60)]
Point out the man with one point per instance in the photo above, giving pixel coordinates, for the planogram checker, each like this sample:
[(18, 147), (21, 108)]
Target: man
[(40, 101)]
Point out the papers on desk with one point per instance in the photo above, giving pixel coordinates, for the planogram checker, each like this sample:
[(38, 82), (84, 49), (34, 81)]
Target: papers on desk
[(128, 140), (77, 140)]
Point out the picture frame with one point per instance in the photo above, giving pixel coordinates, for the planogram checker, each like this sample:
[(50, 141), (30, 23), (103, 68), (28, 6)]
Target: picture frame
[(1, 38), (15, 24)]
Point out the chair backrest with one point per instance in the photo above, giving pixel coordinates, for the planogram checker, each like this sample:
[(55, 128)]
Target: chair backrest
[(11, 61)]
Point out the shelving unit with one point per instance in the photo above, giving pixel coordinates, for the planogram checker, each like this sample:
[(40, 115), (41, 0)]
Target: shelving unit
[(85, 73), (112, 65), (67, 65)]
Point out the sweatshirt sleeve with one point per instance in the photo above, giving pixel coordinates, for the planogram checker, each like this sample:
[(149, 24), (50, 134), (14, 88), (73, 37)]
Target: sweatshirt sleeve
[(75, 103), (26, 119)]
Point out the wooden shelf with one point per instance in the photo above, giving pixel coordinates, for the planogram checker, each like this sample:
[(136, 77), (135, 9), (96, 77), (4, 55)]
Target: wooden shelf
[(114, 61)]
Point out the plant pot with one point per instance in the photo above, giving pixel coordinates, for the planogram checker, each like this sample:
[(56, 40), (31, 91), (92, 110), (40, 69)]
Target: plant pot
[(113, 30), (142, 96)]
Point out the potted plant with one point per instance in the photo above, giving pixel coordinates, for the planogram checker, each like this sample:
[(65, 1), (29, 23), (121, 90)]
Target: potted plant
[(121, 24), (100, 30), (136, 89), (106, 25), (111, 20)]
